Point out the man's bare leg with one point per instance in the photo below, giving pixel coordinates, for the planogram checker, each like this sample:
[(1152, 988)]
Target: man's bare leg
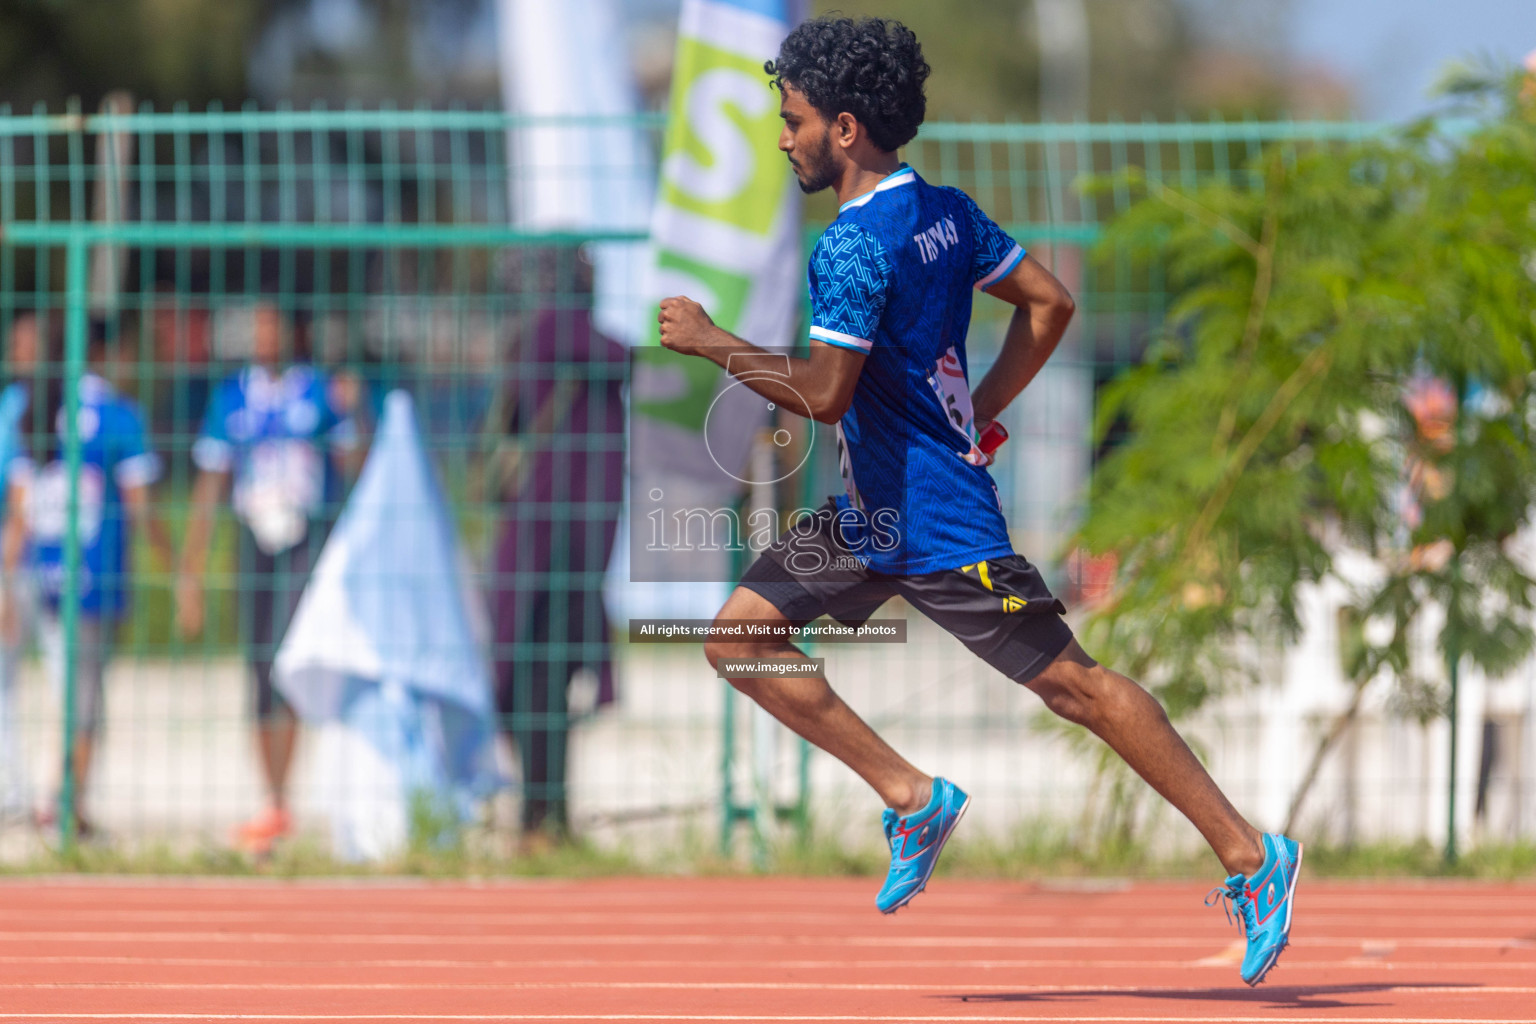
[(809, 707), (276, 738), (1133, 723)]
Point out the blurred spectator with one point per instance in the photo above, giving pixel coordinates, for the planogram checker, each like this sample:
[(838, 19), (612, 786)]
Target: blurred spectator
[(21, 349), (559, 466), (283, 431), (113, 491), (1432, 404)]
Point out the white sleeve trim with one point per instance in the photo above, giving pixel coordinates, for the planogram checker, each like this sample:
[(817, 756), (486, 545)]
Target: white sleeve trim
[(1003, 269), (212, 455), (138, 470), (841, 340)]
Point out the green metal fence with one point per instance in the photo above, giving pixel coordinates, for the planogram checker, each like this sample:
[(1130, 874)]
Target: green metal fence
[(142, 242)]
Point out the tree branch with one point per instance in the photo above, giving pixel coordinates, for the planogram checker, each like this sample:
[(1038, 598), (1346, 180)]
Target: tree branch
[(1311, 368), (1263, 282), (1210, 218), (1330, 738)]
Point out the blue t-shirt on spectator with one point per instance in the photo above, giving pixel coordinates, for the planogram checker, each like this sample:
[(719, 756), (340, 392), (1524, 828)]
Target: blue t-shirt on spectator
[(275, 434), (113, 455), (13, 405)]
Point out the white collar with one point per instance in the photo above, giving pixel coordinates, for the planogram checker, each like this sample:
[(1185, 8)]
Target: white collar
[(93, 387), (902, 175), (257, 381)]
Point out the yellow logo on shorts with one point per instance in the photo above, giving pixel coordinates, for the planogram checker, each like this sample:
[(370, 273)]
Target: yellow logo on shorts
[(981, 573), (1014, 604)]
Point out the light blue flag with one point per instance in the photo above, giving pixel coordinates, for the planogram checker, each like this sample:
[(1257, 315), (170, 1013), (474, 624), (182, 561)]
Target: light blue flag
[(383, 639)]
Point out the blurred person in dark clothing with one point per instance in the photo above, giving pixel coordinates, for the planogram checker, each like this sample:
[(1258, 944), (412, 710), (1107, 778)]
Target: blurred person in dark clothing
[(558, 466)]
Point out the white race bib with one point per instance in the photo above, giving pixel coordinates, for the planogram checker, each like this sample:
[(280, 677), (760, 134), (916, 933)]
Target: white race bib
[(47, 508), (282, 485), (954, 395)]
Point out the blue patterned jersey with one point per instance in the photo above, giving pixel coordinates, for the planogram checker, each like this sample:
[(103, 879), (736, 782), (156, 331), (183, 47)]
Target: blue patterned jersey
[(275, 434), (113, 455), (892, 277)]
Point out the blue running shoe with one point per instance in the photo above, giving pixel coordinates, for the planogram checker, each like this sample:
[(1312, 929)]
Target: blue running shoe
[(1263, 906), (915, 844)]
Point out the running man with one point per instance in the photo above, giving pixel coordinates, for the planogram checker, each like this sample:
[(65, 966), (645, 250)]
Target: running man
[(890, 285)]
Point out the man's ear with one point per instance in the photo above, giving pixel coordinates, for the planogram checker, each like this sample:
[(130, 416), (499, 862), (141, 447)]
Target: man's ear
[(846, 130)]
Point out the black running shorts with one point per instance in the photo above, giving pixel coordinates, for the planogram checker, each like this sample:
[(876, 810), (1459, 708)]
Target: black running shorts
[(1000, 608)]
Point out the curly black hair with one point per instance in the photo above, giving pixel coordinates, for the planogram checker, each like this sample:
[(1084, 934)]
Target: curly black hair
[(872, 68)]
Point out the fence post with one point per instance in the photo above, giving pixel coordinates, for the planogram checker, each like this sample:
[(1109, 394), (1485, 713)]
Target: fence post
[(1453, 666), (727, 767), (76, 284)]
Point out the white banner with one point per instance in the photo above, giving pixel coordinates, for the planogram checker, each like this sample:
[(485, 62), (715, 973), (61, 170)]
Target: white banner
[(567, 60), (725, 232)]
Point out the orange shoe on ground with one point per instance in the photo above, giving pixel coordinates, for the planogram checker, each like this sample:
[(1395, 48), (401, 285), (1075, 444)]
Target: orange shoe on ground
[(258, 834)]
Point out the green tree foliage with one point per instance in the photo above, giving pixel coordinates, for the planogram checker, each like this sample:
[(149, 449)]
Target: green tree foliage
[(1269, 433), (163, 50), (199, 51)]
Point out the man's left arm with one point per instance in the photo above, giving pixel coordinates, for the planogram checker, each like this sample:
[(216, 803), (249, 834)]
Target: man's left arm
[(1043, 310)]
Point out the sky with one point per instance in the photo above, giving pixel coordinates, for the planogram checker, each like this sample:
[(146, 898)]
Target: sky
[(1388, 52), (1391, 51)]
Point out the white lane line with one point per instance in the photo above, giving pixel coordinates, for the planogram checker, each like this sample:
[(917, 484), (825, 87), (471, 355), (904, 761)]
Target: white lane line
[(1519, 903), (761, 1017), (1470, 988), (1027, 918), (755, 964), (729, 918), (664, 939)]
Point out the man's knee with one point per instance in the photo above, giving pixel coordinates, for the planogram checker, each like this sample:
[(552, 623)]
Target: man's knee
[(1074, 686), (742, 605), (1081, 690), (725, 648), (717, 650)]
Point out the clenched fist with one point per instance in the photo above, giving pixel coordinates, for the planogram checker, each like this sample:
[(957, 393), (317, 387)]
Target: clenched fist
[(685, 327)]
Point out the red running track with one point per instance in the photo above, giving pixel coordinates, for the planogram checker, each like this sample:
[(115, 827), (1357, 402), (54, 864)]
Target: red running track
[(750, 950)]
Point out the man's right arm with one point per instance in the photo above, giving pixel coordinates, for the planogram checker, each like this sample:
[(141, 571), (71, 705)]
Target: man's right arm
[(214, 455), (206, 493), (849, 273), (819, 387)]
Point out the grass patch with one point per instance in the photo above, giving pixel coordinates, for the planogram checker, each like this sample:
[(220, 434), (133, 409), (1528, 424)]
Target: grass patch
[(1038, 850), (1032, 852), (309, 856), (1503, 862)]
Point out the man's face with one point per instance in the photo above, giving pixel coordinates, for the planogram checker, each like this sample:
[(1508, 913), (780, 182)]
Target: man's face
[(807, 141), (22, 346), (268, 340)]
